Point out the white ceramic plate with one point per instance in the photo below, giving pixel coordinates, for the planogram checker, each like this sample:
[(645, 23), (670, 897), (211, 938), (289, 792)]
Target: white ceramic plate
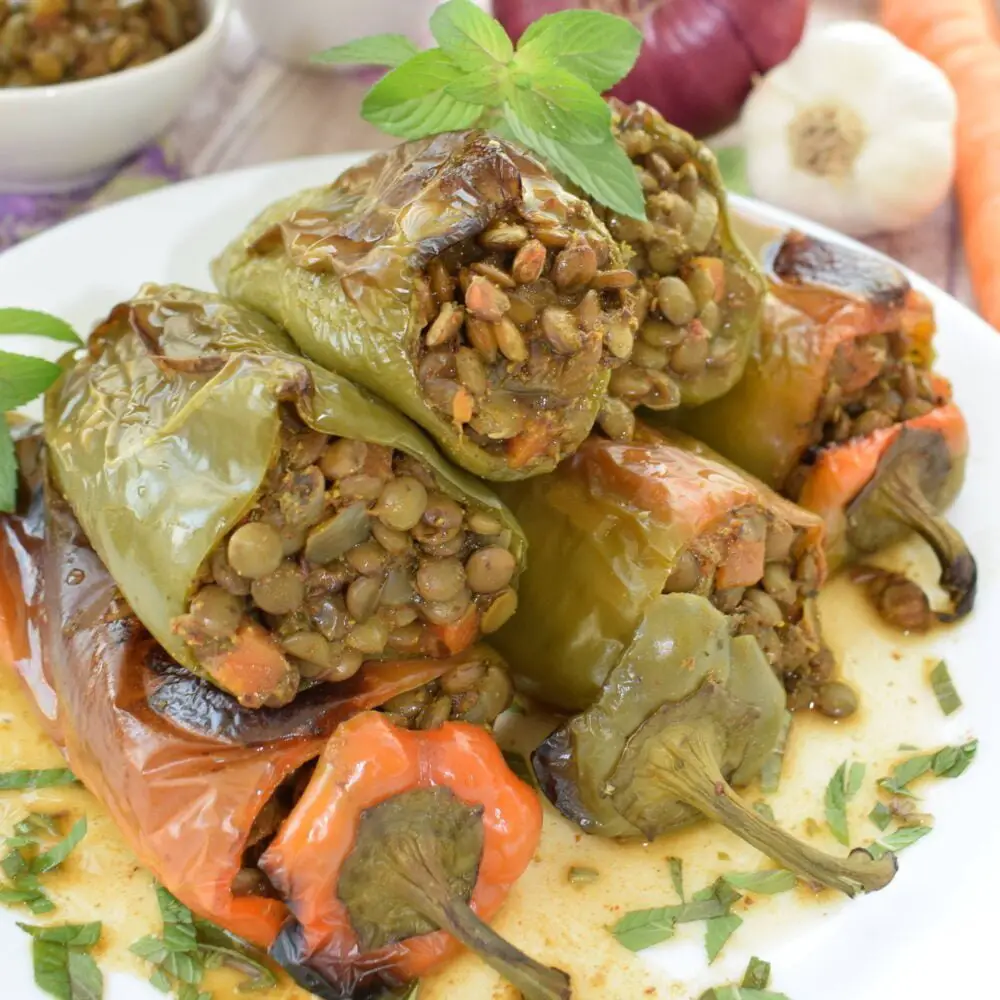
[(931, 935)]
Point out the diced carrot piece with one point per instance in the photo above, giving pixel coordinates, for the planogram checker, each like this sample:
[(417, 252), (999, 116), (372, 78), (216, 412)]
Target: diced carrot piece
[(528, 445), (460, 634), (743, 566), (254, 669)]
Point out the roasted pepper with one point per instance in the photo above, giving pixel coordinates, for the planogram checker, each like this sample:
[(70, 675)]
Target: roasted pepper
[(154, 743), (840, 411), (454, 277), (685, 714), (700, 291), (402, 846), (625, 522), (271, 524)]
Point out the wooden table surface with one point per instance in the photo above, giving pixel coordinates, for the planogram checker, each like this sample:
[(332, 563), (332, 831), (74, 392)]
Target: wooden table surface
[(255, 110)]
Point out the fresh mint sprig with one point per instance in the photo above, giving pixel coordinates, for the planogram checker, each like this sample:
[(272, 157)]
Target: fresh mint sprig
[(544, 94), (23, 379)]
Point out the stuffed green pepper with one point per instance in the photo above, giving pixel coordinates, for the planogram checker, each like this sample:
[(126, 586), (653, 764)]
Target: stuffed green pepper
[(454, 277), (700, 291), (839, 409), (271, 524), (686, 713), (626, 522)]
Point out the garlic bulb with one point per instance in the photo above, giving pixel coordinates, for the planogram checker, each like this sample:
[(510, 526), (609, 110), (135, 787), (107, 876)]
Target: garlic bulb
[(854, 130)]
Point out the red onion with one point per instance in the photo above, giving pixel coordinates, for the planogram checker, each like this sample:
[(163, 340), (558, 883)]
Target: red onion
[(699, 57)]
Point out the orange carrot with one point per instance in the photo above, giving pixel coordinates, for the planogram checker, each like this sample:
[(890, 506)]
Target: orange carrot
[(253, 668), (458, 636), (961, 37), (743, 567), (530, 444)]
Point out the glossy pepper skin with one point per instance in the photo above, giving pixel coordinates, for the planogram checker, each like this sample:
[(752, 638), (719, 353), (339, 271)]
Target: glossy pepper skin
[(368, 761), (824, 297), (337, 266), (685, 714), (820, 298), (163, 434), (148, 739), (613, 520), (742, 299)]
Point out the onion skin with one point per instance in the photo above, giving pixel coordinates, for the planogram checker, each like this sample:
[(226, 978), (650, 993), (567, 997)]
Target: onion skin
[(699, 58)]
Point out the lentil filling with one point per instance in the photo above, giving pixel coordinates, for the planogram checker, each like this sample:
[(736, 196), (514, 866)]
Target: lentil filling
[(352, 551), (691, 286), (57, 41), (872, 384), (514, 323), (759, 571)]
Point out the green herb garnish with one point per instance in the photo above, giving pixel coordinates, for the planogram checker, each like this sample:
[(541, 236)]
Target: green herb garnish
[(582, 876), (944, 689), (767, 883), (189, 946), (29, 854), (758, 975), (545, 94), (63, 968), (949, 762), (23, 379), (770, 773), (881, 815), (718, 932), (843, 786), (898, 840), (18, 780), (643, 928), (677, 876)]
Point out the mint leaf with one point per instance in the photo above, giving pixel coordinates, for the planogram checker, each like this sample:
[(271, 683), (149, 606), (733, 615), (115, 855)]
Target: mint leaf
[(770, 774), (944, 689), (33, 323), (55, 856), (732, 162), (602, 170), (598, 48), (8, 474), (160, 981), (766, 883), (677, 875), (85, 979), (757, 976), (23, 379), (954, 766), (718, 932), (70, 935), (375, 50), (51, 967), (485, 89), (643, 928), (557, 104), (897, 841), (411, 101), (18, 780), (843, 786), (881, 815), (469, 36)]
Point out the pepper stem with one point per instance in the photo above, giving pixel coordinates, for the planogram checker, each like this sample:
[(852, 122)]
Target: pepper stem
[(685, 764), (421, 881), (899, 494)]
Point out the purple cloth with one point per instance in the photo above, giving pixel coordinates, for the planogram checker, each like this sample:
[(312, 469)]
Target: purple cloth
[(23, 215)]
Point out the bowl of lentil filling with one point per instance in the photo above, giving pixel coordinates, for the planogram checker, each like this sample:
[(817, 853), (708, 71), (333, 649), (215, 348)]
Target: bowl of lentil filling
[(83, 83)]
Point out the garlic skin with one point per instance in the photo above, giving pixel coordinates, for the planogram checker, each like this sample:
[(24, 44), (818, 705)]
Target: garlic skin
[(854, 130)]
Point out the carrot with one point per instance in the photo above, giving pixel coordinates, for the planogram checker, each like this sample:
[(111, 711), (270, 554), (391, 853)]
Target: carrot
[(961, 37), (530, 444), (744, 565), (458, 635), (253, 669)]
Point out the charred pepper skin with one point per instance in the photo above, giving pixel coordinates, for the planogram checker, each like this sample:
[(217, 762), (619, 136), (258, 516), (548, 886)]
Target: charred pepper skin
[(825, 303), (686, 713), (356, 270), (163, 436)]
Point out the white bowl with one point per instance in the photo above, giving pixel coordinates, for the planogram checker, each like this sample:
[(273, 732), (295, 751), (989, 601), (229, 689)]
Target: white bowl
[(295, 30), (64, 136)]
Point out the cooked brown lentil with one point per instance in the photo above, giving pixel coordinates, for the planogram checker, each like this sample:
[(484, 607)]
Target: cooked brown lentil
[(778, 608), (514, 320), (354, 556), (684, 285), (58, 41)]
